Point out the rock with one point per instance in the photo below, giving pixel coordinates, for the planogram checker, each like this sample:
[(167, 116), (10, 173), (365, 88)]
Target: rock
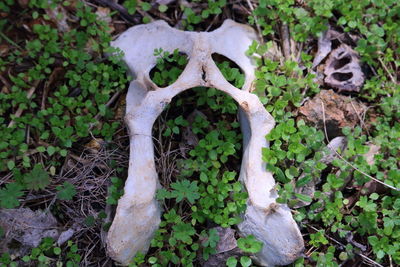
[(227, 240), (226, 247), (27, 227), (343, 70), (340, 111), (220, 259), (324, 48), (65, 236)]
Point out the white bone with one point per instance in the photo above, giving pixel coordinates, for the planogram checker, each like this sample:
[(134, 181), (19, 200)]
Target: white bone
[(138, 213)]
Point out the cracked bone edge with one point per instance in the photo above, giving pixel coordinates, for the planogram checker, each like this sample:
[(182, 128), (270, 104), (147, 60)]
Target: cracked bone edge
[(138, 213)]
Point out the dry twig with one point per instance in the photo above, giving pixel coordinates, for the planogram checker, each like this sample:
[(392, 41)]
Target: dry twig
[(256, 21), (362, 123), (371, 261), (122, 10), (285, 41), (348, 163), (387, 71), (19, 111)]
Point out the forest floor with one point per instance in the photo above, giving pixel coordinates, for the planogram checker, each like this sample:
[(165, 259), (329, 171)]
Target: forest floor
[(327, 71)]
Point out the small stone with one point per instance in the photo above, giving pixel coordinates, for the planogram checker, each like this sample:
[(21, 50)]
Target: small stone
[(340, 111), (27, 227), (227, 240)]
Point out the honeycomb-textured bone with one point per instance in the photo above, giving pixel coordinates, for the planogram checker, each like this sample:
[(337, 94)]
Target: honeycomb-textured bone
[(343, 70), (138, 213)]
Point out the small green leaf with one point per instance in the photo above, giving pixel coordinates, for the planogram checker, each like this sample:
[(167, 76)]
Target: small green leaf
[(249, 244), (63, 152), (183, 232), (9, 195), (162, 8), (211, 239), (303, 198), (213, 155), (203, 177), (11, 164), (51, 150), (346, 130), (343, 256), (57, 251), (41, 149), (245, 261), (162, 194), (146, 19), (231, 262), (152, 260), (90, 221), (66, 191), (145, 6), (303, 181), (374, 196)]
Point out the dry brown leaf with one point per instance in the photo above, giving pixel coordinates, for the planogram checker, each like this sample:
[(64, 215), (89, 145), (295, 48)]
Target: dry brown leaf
[(340, 111), (103, 13), (4, 49), (95, 144), (59, 16)]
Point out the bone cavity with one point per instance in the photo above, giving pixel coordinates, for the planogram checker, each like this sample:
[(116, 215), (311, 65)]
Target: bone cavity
[(343, 70)]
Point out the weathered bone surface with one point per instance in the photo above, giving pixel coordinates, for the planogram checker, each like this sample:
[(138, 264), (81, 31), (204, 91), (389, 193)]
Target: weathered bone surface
[(343, 70), (138, 213)]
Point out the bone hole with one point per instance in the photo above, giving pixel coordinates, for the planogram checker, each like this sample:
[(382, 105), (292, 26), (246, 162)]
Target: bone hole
[(168, 68), (337, 64), (339, 76), (231, 71), (198, 123)]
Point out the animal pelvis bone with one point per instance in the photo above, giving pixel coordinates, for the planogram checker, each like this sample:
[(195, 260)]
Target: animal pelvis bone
[(138, 213)]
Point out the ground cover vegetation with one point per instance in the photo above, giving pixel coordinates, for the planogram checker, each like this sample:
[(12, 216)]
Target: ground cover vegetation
[(64, 146)]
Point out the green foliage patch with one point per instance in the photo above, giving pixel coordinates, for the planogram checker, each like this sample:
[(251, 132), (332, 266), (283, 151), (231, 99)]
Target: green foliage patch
[(205, 191), (59, 85), (72, 105)]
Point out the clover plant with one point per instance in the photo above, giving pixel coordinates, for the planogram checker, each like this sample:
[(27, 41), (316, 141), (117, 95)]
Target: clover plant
[(205, 190), (58, 93)]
